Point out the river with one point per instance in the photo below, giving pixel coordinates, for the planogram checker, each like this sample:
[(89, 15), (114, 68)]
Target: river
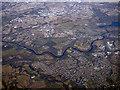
[(114, 24)]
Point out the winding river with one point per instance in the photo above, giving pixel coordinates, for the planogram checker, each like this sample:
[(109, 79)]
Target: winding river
[(114, 24)]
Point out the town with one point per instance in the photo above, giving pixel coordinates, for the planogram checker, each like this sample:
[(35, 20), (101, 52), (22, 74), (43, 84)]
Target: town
[(73, 41)]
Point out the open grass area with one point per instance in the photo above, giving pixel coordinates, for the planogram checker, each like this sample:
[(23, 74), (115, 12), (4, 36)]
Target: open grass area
[(12, 51), (40, 41), (59, 40)]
